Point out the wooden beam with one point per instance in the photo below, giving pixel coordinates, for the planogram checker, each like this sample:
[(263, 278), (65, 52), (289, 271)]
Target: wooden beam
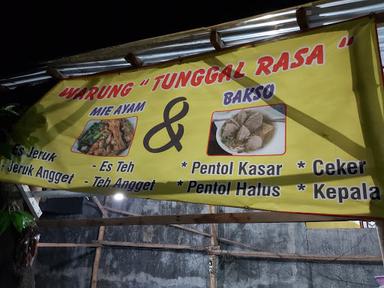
[(55, 74), (68, 245), (104, 212), (134, 60), (214, 234), (302, 19), (96, 261), (240, 254), (213, 259), (216, 40), (379, 17), (380, 236), (151, 245), (296, 257), (100, 237), (30, 200), (248, 217)]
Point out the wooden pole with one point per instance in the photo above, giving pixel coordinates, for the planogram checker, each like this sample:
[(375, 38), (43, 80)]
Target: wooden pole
[(213, 258), (216, 40), (302, 19), (100, 237), (55, 73), (380, 235), (134, 60), (248, 217)]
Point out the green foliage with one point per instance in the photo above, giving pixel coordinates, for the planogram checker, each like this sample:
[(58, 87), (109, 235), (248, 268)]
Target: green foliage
[(19, 219)]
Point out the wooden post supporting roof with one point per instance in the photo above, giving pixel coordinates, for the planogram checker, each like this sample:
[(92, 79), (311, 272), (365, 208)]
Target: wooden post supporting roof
[(213, 258), (100, 237), (302, 19), (55, 74), (380, 235), (133, 60), (216, 40)]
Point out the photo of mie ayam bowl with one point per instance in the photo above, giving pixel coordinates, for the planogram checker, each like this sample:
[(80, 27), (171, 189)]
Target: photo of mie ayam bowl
[(107, 137), (251, 131)]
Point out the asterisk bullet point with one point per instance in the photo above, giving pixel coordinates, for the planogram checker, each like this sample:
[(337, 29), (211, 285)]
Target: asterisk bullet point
[(301, 187), (301, 164)]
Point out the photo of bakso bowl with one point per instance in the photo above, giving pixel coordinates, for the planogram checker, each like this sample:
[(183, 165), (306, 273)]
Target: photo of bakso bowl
[(251, 131)]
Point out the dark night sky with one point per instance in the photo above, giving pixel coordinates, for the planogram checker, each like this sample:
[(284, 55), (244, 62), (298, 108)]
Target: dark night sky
[(32, 32)]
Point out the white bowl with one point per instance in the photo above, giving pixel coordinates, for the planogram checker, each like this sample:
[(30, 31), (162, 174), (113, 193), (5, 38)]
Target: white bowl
[(275, 145)]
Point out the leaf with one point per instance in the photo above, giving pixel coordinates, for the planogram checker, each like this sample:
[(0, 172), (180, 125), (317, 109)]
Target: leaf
[(22, 220)]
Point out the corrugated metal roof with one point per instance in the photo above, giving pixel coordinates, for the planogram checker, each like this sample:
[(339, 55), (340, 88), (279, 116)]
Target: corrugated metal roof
[(194, 42)]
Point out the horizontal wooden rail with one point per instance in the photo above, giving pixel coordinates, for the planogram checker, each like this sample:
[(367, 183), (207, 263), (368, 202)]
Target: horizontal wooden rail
[(223, 253), (68, 245), (296, 257), (248, 217), (151, 245)]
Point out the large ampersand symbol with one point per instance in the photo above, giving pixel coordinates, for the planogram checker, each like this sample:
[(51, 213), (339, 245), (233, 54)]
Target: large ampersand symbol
[(174, 138)]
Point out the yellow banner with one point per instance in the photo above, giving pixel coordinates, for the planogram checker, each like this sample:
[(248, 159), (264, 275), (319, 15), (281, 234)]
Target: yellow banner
[(333, 225), (291, 125)]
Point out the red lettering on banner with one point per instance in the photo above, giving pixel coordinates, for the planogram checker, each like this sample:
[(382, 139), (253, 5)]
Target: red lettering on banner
[(183, 79), (127, 89), (80, 94), (225, 73), (283, 62), (91, 93), (198, 77), (267, 64), (299, 57), (103, 92), (115, 91), (69, 92), (317, 55), (238, 73), (157, 81), (168, 82), (263, 65), (212, 75), (97, 93)]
